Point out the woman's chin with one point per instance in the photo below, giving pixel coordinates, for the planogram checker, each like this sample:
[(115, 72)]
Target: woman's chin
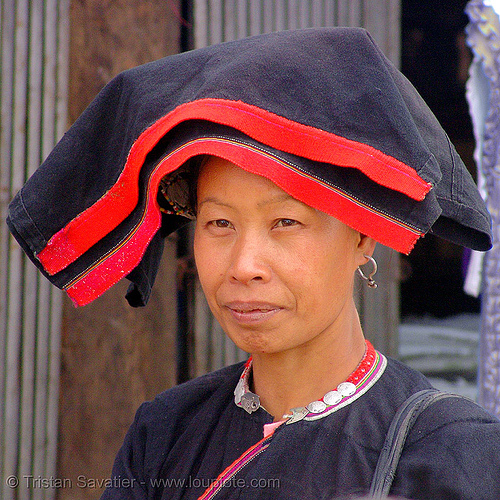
[(255, 341)]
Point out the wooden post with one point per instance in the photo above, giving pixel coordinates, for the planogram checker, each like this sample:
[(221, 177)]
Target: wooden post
[(113, 356)]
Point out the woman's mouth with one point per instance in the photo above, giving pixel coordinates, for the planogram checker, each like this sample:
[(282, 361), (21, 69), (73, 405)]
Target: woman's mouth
[(252, 312)]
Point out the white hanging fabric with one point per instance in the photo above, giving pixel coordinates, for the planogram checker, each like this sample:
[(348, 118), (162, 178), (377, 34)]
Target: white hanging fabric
[(483, 93)]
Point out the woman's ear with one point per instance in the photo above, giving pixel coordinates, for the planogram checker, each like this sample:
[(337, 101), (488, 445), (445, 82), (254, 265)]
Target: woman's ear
[(366, 246)]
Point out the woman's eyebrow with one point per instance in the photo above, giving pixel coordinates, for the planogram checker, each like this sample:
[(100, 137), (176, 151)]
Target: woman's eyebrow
[(213, 199), (274, 199), (279, 198)]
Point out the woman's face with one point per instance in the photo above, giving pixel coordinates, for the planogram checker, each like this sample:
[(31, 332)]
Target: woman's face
[(277, 274)]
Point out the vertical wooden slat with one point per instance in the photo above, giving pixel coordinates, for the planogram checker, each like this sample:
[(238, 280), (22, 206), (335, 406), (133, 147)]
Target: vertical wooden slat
[(304, 18), (15, 282), (255, 22), (63, 32), (53, 386), (29, 327), (54, 355), (200, 18), (329, 13), (28, 384), (349, 13), (216, 34), (242, 18), (268, 14), (230, 20), (40, 427), (317, 13), (381, 19), (293, 14), (29, 317), (281, 13), (7, 82), (43, 338)]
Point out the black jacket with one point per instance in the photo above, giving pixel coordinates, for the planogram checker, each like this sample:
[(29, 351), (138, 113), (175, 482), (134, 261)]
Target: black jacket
[(188, 435)]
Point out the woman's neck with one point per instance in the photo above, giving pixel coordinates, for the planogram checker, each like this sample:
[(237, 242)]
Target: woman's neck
[(295, 378)]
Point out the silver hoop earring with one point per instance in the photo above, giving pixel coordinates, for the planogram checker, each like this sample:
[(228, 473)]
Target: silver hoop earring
[(369, 279)]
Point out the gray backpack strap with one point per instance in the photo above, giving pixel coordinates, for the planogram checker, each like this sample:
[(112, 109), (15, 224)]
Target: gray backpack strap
[(396, 436)]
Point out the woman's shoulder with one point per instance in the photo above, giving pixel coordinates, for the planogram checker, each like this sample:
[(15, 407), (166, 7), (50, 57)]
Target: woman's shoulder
[(402, 382), (451, 452), (452, 449), (398, 383), (158, 423), (455, 417), (405, 379)]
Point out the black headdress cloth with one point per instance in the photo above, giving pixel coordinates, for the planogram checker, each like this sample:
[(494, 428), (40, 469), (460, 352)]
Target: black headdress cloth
[(321, 112)]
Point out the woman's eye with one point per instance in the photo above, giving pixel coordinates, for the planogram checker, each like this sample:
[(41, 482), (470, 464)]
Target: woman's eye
[(222, 223), (286, 222)]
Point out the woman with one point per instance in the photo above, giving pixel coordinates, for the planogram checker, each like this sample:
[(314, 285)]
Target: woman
[(267, 260), (301, 150)]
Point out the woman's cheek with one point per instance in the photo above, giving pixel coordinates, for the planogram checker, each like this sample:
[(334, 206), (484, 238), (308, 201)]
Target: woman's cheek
[(210, 263)]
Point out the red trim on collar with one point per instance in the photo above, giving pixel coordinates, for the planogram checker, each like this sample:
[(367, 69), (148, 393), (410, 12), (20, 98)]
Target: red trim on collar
[(368, 371), (115, 205), (365, 364)]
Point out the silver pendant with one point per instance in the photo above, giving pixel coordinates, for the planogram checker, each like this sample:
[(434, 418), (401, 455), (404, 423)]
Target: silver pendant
[(297, 414), (250, 402), (346, 389), (332, 398), (239, 391), (316, 407)]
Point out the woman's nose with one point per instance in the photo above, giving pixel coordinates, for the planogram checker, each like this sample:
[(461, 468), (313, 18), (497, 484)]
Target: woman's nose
[(250, 261)]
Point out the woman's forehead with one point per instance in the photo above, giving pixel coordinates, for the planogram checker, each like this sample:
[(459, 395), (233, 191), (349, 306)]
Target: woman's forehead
[(220, 179), (223, 183)]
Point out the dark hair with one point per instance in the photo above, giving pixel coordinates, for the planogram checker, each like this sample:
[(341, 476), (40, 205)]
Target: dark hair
[(177, 193)]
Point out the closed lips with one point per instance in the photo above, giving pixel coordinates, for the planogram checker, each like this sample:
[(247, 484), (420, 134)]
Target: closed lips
[(252, 307)]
